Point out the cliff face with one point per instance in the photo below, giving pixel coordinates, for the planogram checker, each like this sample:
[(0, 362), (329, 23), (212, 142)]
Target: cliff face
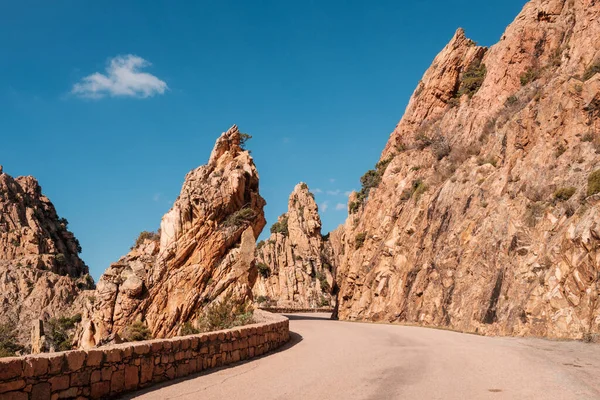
[(204, 251), (482, 215), (40, 269), (294, 267)]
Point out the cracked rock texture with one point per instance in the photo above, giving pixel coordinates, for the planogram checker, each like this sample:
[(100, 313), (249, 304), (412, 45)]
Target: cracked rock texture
[(295, 270), (40, 269), (482, 220), (205, 251)]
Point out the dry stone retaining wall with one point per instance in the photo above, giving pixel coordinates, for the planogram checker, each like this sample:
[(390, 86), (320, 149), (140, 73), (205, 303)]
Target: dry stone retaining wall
[(107, 371)]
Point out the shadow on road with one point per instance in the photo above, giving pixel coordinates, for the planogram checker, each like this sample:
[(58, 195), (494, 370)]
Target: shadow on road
[(304, 317), (295, 338)]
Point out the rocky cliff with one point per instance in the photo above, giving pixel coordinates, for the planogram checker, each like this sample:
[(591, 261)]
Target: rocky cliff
[(40, 269), (482, 214), (204, 251), (294, 267)]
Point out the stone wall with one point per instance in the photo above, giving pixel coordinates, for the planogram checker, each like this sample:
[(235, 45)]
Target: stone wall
[(291, 310), (107, 371)]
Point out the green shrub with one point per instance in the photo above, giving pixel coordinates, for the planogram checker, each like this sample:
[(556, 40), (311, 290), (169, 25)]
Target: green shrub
[(594, 183), (9, 345), (419, 188), (591, 71), (359, 240), (440, 147), (472, 79), (59, 331), (260, 244), (136, 331), (262, 299), (189, 329), (588, 137), (240, 217), (263, 270), (145, 235), (323, 282), (353, 207), (372, 179), (564, 194), (423, 141), (281, 226), (512, 100), (244, 137), (529, 76), (303, 186), (224, 314), (560, 150)]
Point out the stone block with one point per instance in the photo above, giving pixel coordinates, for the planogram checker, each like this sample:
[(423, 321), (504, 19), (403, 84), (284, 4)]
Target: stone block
[(131, 377), (56, 363), (60, 382), (107, 373), (146, 370), (113, 356), (95, 377), (41, 391), (14, 396), (156, 346), (117, 381), (12, 385), (75, 360), (68, 394), (100, 389), (183, 370), (141, 349), (81, 378), (10, 368), (94, 358), (35, 366)]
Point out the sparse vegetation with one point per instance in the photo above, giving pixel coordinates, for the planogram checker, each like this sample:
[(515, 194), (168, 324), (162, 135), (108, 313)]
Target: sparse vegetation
[(512, 100), (359, 240), (263, 270), (224, 314), (472, 79), (8, 341), (588, 137), (323, 282), (136, 331), (529, 76), (441, 147), (370, 180), (145, 235), (487, 160), (353, 207), (189, 329), (560, 150), (260, 244), (280, 226), (564, 194), (593, 183), (244, 137), (240, 217), (262, 299), (60, 259), (59, 331), (591, 70)]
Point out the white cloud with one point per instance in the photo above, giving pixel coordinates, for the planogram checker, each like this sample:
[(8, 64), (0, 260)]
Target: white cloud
[(348, 193), (123, 78), (333, 192), (156, 197), (331, 180), (324, 206), (317, 191), (340, 206)]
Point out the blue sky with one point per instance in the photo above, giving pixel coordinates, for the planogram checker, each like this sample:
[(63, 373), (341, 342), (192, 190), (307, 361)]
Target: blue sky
[(319, 84)]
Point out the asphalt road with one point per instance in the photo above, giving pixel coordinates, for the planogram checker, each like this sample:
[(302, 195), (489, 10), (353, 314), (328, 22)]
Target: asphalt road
[(343, 360)]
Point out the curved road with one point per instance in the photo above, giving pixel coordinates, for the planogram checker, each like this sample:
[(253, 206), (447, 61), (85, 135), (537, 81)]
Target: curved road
[(343, 360)]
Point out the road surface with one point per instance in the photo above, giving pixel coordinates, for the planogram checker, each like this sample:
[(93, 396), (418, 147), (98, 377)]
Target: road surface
[(344, 360)]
